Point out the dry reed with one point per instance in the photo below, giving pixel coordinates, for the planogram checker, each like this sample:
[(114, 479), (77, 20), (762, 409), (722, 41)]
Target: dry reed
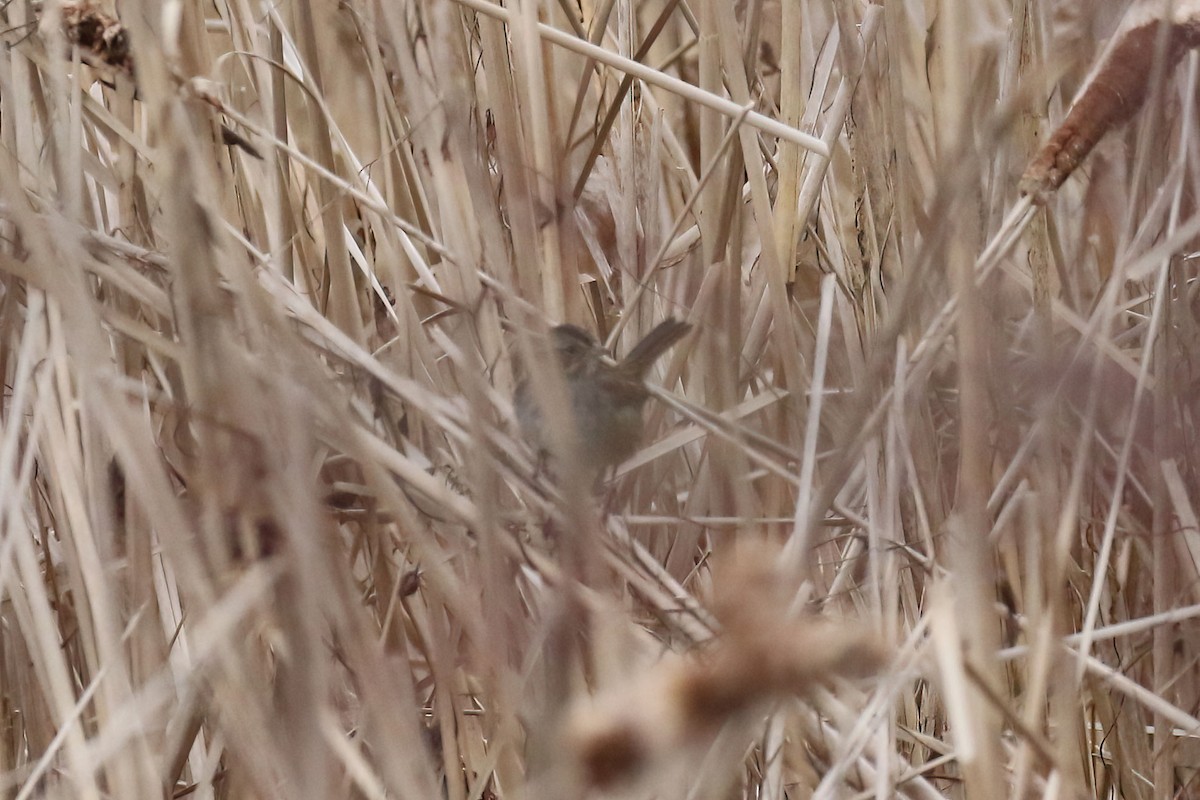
[(916, 515)]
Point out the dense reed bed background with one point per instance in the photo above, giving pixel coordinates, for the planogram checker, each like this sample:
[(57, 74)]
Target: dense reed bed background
[(916, 515)]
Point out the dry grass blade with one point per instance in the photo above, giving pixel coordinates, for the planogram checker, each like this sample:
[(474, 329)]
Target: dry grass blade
[(913, 510)]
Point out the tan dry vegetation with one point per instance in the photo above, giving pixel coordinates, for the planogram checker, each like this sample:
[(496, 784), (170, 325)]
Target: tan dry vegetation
[(916, 516)]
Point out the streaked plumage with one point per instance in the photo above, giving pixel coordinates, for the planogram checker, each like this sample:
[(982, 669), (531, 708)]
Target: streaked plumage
[(606, 399)]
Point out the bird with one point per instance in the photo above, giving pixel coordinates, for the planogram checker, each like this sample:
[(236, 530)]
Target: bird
[(606, 399)]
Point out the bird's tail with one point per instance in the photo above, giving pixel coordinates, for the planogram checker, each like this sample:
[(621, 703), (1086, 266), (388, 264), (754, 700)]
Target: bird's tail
[(657, 342)]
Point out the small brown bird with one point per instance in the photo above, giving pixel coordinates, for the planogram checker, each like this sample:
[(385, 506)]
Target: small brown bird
[(606, 399)]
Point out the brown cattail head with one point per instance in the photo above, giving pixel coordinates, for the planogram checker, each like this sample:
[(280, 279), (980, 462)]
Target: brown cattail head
[(1117, 88), (762, 654)]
